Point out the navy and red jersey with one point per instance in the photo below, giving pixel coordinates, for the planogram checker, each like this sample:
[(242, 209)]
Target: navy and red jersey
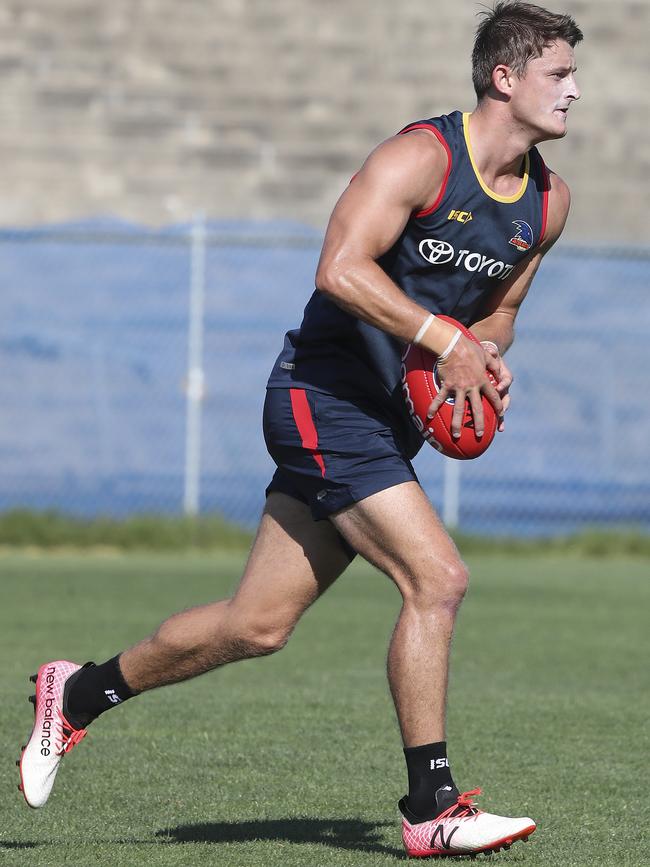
[(448, 259)]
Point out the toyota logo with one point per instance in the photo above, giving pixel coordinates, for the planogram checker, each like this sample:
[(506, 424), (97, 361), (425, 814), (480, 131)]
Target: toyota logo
[(436, 252)]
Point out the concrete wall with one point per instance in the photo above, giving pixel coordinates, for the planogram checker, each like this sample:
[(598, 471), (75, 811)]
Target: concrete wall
[(154, 109)]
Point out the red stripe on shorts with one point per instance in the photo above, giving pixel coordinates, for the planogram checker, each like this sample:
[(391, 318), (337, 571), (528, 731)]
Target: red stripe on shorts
[(305, 424)]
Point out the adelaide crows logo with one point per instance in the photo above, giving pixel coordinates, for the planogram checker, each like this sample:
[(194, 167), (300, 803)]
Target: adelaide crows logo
[(523, 240)]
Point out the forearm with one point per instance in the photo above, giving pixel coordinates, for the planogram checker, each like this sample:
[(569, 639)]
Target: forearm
[(365, 290), (497, 328)]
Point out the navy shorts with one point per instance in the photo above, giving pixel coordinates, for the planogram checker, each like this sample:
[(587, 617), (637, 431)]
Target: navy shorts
[(330, 452)]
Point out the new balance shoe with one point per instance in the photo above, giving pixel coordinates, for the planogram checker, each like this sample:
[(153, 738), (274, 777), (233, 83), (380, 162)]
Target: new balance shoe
[(461, 829), (52, 736)]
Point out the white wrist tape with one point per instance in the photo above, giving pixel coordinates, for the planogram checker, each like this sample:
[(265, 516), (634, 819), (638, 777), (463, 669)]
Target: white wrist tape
[(450, 346), (490, 343), (423, 328)]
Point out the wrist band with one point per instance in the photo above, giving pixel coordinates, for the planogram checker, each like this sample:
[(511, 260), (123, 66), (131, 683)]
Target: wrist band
[(450, 346), (423, 328), (490, 343)]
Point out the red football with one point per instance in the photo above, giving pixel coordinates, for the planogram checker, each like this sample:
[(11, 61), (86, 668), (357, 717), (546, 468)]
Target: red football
[(420, 385)]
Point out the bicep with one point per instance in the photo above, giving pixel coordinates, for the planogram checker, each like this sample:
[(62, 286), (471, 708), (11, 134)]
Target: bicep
[(396, 180), (367, 220)]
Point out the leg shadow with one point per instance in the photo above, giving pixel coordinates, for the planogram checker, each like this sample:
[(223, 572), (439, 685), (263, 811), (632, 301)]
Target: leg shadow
[(351, 834), (12, 844)]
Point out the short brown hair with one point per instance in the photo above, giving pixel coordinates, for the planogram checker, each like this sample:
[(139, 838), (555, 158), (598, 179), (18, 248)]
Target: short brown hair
[(514, 33)]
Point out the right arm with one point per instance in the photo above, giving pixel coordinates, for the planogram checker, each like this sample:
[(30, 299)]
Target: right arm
[(401, 176)]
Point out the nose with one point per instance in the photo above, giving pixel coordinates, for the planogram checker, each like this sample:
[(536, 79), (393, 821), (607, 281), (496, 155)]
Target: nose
[(574, 90)]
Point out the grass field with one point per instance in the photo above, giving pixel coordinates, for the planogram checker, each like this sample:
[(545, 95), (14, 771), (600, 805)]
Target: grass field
[(295, 759)]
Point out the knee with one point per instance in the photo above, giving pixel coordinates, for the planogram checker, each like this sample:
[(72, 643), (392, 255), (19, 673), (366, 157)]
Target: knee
[(442, 584), (262, 639), (456, 581)]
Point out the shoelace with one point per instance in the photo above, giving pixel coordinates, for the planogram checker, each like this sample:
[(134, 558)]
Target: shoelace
[(70, 735), (464, 806)]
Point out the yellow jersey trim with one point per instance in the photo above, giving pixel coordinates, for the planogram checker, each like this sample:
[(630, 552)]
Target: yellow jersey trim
[(484, 186)]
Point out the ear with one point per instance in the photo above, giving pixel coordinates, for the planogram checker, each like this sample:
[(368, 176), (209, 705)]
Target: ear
[(503, 79)]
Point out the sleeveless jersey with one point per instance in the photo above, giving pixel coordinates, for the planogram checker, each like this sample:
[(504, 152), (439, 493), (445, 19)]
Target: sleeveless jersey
[(448, 259)]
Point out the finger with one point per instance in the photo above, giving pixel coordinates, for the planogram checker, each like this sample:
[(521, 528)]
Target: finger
[(502, 386), (501, 424), (458, 413), (493, 364), (438, 401), (493, 397), (505, 376), (476, 404)]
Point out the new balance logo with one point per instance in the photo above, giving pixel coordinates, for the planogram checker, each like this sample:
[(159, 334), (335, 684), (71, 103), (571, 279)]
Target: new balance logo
[(48, 712), (444, 844), (439, 763), (112, 696)]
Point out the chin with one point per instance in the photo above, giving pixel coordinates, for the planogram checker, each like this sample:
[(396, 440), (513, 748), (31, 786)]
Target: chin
[(552, 131)]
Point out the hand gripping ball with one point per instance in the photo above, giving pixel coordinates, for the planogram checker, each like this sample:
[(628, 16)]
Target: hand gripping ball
[(420, 385)]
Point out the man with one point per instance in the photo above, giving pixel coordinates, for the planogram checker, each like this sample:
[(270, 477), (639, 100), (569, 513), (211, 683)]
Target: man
[(452, 216)]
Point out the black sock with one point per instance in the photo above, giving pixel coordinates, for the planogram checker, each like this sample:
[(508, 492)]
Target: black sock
[(431, 786), (94, 689)]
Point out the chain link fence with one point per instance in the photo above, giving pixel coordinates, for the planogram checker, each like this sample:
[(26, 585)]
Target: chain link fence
[(97, 416)]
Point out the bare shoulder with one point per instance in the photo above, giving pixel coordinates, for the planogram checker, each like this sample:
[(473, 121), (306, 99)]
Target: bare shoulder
[(418, 146), (402, 175), (559, 202), (413, 165)]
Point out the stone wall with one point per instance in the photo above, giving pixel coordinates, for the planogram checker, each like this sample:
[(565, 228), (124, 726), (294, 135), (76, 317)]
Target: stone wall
[(153, 110)]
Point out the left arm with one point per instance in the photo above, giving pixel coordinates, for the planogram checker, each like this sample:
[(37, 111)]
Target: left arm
[(496, 326), (498, 316)]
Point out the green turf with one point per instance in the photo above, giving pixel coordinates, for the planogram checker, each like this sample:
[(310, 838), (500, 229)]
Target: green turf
[(295, 759)]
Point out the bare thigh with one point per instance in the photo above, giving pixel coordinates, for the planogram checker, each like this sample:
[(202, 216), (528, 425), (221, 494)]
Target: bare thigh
[(293, 561), (398, 531)]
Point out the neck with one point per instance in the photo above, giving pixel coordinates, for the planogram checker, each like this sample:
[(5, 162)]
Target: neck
[(499, 144)]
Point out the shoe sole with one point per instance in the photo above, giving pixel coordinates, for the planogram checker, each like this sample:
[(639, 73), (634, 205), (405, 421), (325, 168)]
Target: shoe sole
[(504, 843)]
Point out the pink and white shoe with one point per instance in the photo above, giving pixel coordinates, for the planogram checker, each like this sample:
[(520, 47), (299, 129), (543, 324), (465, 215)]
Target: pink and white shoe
[(52, 736), (463, 829)]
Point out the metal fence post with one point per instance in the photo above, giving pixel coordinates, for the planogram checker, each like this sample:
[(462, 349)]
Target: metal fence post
[(451, 493), (195, 376)]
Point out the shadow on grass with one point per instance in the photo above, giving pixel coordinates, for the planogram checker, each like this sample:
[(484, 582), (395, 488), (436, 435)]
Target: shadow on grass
[(351, 834), (11, 844)]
